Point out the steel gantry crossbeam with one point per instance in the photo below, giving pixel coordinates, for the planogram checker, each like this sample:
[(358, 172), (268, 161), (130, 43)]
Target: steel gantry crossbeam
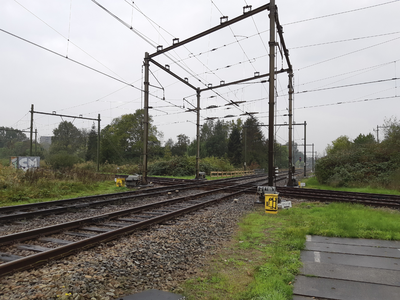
[(224, 22), (74, 117), (176, 43), (305, 156)]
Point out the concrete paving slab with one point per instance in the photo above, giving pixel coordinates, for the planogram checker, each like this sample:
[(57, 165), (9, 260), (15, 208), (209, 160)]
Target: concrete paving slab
[(302, 298), (354, 273), (153, 295), (343, 289), (351, 260), (350, 241), (353, 249)]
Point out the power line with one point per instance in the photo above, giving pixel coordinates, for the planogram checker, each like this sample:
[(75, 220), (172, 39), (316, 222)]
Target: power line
[(348, 85), (348, 102), (341, 13), (70, 59), (355, 71), (346, 40), (66, 38), (340, 56), (142, 36)]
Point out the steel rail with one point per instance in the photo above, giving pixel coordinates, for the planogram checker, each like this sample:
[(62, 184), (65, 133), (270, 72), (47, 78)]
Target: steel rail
[(43, 257), (76, 203), (334, 196)]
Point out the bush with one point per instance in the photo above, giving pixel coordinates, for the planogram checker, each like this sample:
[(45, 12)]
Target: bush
[(372, 165), (127, 169), (186, 166), (5, 161), (62, 160)]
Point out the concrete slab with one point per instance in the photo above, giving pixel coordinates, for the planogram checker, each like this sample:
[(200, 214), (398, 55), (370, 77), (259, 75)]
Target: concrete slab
[(153, 295), (343, 289), (350, 241), (354, 273), (351, 260), (306, 298), (353, 249)]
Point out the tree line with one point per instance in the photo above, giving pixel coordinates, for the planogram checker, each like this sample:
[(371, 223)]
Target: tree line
[(363, 161), (238, 142)]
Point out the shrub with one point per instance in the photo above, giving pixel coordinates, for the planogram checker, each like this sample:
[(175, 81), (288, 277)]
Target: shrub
[(62, 160), (186, 166), (370, 165)]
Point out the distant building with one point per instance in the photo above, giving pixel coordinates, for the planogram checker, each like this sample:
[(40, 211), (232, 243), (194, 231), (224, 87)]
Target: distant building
[(45, 140)]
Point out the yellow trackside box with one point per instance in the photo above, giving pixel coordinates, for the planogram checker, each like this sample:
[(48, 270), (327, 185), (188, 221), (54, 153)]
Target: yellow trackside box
[(120, 182), (271, 203)]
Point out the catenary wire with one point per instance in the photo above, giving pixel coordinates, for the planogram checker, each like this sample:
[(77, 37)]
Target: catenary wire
[(67, 38), (341, 13), (70, 59), (349, 53)]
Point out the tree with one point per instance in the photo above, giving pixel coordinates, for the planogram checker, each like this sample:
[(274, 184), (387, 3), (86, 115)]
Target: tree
[(181, 146), (91, 152), (9, 136), (192, 149), (281, 155), (392, 134), (205, 134), (363, 140), (255, 145), (235, 147), (122, 140), (342, 143), (67, 138), (217, 143)]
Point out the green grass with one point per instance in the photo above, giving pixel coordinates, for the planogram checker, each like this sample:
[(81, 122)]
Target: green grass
[(312, 183), (263, 259), (59, 190)]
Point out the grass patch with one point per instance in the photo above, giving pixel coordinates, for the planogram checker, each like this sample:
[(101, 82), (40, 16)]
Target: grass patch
[(312, 183), (262, 260), (56, 191)]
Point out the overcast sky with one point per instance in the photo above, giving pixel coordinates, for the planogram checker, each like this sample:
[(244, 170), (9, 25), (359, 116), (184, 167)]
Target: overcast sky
[(347, 50)]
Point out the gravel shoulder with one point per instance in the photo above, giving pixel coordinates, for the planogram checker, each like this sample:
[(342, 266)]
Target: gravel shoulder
[(161, 257)]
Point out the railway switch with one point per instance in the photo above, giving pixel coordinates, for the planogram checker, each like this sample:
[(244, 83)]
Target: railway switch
[(263, 191), (133, 180)]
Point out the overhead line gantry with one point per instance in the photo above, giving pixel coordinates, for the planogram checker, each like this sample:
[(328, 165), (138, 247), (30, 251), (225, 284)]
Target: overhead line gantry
[(224, 22)]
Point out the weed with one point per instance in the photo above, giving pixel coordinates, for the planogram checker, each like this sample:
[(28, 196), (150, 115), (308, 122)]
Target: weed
[(264, 258)]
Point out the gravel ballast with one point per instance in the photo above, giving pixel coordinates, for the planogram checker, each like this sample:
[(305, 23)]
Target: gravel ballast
[(160, 257)]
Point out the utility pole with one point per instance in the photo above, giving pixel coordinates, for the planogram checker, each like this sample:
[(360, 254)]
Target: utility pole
[(98, 142), (290, 129), (35, 141), (245, 147), (313, 159), (272, 12), (377, 131), (198, 134), (146, 115), (305, 154), (31, 133)]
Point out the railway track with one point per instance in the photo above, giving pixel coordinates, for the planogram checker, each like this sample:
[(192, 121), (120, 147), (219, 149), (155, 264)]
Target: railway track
[(377, 200), (27, 211), (31, 248), (28, 249)]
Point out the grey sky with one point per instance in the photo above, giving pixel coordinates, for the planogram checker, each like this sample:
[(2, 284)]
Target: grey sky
[(30, 75)]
